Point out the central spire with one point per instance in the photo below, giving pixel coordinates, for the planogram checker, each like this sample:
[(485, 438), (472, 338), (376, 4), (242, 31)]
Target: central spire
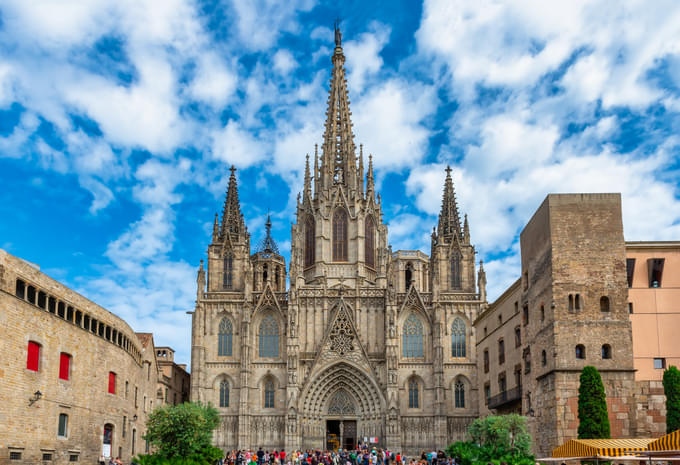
[(338, 159)]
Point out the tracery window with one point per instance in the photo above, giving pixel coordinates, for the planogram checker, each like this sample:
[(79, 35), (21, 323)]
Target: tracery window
[(458, 336), (340, 236), (269, 337), (309, 242), (269, 394), (369, 244), (459, 394), (455, 270), (412, 338), (224, 393), (224, 337), (413, 394), (228, 271)]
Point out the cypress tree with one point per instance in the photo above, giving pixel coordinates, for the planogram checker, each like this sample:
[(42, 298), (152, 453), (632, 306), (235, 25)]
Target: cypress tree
[(671, 387), (592, 406)]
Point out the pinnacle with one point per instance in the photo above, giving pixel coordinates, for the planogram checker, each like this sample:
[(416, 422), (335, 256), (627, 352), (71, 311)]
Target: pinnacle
[(232, 219)]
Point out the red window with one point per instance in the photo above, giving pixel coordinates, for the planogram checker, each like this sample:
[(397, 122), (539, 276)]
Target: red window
[(33, 356), (64, 366), (112, 382)]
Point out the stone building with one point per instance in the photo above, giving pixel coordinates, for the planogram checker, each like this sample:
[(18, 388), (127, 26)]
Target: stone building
[(365, 342), (76, 381), (173, 378), (585, 297)]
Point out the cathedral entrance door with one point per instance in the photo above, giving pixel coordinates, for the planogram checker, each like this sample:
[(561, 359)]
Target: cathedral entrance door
[(332, 434), (349, 436)]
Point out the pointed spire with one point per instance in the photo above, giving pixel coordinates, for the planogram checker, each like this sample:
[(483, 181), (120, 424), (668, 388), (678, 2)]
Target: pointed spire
[(308, 180), (449, 218), (216, 229), (316, 170), (466, 231), (370, 186), (360, 174), (232, 219), (268, 245), (200, 282), (481, 282), (338, 161)]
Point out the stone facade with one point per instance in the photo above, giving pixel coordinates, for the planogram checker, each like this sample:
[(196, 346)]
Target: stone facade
[(74, 375), (367, 342), (173, 379), (571, 308)]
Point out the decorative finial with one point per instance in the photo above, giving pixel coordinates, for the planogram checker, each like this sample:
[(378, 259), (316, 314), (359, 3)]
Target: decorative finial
[(338, 34), (448, 170), (232, 169)]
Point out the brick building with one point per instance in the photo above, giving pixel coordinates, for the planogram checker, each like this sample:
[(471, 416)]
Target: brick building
[(76, 383)]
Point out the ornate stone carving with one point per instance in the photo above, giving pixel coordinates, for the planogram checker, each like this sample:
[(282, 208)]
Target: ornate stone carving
[(341, 404), (341, 335)]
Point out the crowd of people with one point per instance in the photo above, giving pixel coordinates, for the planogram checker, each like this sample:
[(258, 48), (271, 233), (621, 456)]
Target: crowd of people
[(363, 455)]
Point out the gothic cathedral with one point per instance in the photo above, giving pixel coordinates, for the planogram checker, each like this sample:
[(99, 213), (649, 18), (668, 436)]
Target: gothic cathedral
[(365, 343)]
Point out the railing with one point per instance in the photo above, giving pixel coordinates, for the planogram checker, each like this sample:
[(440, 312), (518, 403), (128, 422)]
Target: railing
[(506, 397)]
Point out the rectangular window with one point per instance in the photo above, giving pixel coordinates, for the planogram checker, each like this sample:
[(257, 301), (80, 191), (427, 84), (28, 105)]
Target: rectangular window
[(486, 361), (47, 457), (502, 383), (136, 397), (659, 363), (655, 269), (630, 270), (501, 352), (630, 307), (124, 426), (112, 382), (487, 393), (64, 366), (525, 315), (62, 432), (13, 455), (33, 356), (73, 458)]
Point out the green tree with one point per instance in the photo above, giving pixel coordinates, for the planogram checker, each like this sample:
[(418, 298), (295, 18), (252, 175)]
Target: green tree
[(592, 406), (495, 439), (182, 434), (671, 387)]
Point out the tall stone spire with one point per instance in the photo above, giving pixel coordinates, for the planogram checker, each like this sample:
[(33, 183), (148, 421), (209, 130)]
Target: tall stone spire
[(449, 218), (232, 219), (308, 180), (338, 164), (370, 183)]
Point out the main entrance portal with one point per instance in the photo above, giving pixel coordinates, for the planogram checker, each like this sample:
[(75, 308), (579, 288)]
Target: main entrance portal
[(341, 434)]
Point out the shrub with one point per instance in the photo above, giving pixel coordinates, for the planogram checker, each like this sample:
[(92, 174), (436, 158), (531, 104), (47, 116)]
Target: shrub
[(671, 387), (592, 406)]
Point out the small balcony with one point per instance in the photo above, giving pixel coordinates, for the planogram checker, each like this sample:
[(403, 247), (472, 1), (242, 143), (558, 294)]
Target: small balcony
[(506, 397)]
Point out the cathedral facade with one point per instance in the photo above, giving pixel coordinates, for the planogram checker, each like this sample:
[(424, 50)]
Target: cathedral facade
[(364, 343)]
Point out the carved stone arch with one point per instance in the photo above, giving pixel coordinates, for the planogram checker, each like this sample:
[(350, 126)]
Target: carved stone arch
[(342, 375), (467, 398), (341, 403), (258, 317), (221, 377)]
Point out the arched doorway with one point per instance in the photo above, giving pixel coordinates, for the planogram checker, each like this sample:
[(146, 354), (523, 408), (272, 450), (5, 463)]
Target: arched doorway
[(341, 404), (107, 441), (341, 422)]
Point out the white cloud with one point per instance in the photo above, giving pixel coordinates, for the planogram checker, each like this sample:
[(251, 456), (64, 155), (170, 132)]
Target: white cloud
[(235, 145), (284, 62), (214, 83), (363, 56)]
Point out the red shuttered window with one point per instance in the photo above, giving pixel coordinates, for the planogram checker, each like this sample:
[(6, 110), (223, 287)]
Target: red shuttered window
[(64, 366), (112, 382), (33, 356)]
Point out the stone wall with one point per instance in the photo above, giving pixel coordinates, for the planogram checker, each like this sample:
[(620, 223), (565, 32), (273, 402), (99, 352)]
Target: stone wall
[(29, 426)]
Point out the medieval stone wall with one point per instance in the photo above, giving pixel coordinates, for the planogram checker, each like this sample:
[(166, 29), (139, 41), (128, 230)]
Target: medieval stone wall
[(30, 427)]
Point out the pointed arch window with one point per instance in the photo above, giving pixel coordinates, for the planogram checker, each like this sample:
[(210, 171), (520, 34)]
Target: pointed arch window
[(369, 241), (413, 394), (458, 338), (412, 340), (228, 272), (340, 236), (224, 338), (455, 270), (408, 275), (459, 394), (269, 394), (309, 242), (269, 337), (224, 393)]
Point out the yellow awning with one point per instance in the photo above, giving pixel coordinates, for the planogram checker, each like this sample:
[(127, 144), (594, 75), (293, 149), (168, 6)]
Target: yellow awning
[(671, 441), (594, 447)]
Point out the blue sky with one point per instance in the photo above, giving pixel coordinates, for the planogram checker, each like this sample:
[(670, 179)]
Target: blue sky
[(119, 120)]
